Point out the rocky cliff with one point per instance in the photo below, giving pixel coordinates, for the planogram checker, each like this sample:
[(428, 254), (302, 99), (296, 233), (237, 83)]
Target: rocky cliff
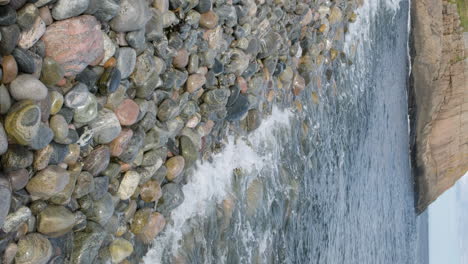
[(440, 90)]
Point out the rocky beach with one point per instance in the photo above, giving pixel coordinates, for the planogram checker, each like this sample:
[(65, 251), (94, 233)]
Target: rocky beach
[(106, 106)]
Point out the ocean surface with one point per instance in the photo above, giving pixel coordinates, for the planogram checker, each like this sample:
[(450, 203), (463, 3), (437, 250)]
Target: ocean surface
[(330, 184)]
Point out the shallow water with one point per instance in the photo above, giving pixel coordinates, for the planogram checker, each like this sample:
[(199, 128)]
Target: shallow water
[(330, 184)]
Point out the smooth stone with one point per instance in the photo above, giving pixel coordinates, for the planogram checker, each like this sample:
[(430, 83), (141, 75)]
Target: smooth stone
[(10, 69), (298, 84), (188, 150), (3, 140), (144, 68), (120, 249), (10, 253), (120, 143), (56, 102), (238, 109), (33, 248), (46, 16), (84, 184), (77, 97), (216, 97), (43, 138), (209, 20), (136, 143), (55, 221), (30, 37), (7, 15), (5, 100), (52, 72), (102, 210), (42, 157), (133, 15), (109, 49), (64, 197), (175, 166), (155, 224), (26, 16), (126, 62), (88, 112), (59, 151), (103, 10), (128, 185), (48, 182), (204, 6), (73, 154), (136, 39), (26, 86), (86, 244), (109, 81), (41, 3), (106, 127), (25, 60), (10, 37), (18, 179), (172, 197), (59, 126), (15, 219), (168, 109), (146, 89), (23, 121), (64, 9), (195, 82), (89, 77), (150, 191), (5, 196), (181, 59), (127, 112), (61, 41), (101, 186), (97, 161)]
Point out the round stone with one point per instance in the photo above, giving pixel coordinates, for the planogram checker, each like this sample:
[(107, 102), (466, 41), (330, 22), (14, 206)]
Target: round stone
[(33, 248), (175, 166), (48, 182), (120, 249), (133, 15), (209, 20), (59, 126), (18, 179), (26, 16), (5, 100), (56, 102), (168, 109), (120, 143), (181, 59), (64, 9), (88, 111), (27, 86), (10, 253), (127, 112), (195, 82), (147, 225), (77, 97), (188, 150), (10, 69), (52, 72), (73, 154), (23, 121), (126, 62), (109, 49), (106, 127), (17, 157), (97, 161), (150, 191), (128, 185), (25, 60), (55, 221), (109, 81), (46, 16), (102, 210)]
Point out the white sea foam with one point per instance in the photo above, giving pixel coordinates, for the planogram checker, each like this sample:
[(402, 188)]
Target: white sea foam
[(212, 181)]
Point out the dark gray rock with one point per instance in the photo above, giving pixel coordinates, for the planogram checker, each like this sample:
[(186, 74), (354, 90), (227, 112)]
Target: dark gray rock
[(25, 60), (172, 197), (43, 138), (7, 15), (86, 244), (64, 9), (10, 36)]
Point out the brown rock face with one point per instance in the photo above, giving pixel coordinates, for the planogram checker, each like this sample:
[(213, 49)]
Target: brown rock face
[(440, 98), (75, 43)]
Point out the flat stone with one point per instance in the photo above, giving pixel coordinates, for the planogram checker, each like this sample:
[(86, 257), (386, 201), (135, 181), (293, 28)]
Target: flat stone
[(75, 43), (128, 185), (26, 86), (10, 37), (30, 37), (64, 9), (33, 248), (103, 10), (10, 69), (127, 112), (133, 15), (126, 62), (5, 100), (106, 127), (7, 15), (97, 161), (55, 221), (48, 182)]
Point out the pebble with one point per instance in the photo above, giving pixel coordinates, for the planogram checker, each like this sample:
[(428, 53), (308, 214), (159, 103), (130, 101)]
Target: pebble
[(84, 184), (33, 248), (109, 49), (147, 224), (3, 140), (167, 110), (15, 219), (10, 69), (88, 111), (5, 100), (7, 15), (172, 197), (120, 249), (133, 15), (56, 102), (204, 6), (10, 253), (46, 16), (127, 112), (18, 179), (175, 166), (59, 126), (61, 40), (26, 86), (97, 161), (128, 185), (120, 143), (26, 16), (126, 62), (150, 191), (64, 9), (10, 37), (55, 221), (181, 59), (195, 82), (48, 182), (103, 10), (25, 60), (86, 244), (102, 209), (106, 127), (109, 81), (22, 121), (77, 97), (136, 39), (30, 37), (52, 72), (209, 20), (188, 150), (5, 196)]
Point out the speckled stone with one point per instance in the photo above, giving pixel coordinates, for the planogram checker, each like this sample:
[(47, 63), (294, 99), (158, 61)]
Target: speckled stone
[(56, 102), (86, 244), (34, 248), (30, 37), (10, 36), (26, 16), (103, 10), (48, 182), (120, 143), (209, 20), (128, 185), (88, 111), (59, 126), (77, 96), (102, 210), (109, 81), (147, 224), (167, 110), (84, 184), (17, 157), (26, 86)]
